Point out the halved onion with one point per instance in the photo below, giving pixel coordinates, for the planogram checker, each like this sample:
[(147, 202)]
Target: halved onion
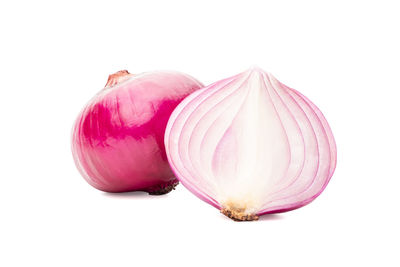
[(249, 145)]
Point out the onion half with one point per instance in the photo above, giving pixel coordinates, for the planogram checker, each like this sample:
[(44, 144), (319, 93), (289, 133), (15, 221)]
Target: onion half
[(117, 140), (249, 145)]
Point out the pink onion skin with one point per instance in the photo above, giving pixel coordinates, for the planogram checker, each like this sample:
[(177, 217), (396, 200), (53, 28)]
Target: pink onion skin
[(193, 122), (117, 139)]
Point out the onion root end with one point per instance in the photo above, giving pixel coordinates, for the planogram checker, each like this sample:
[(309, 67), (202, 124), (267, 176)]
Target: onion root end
[(162, 189), (238, 214)]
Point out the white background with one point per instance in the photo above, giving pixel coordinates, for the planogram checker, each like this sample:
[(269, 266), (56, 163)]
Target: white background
[(54, 56)]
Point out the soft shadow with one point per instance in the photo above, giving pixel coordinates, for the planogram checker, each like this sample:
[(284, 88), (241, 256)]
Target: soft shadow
[(133, 195), (266, 217), (271, 217)]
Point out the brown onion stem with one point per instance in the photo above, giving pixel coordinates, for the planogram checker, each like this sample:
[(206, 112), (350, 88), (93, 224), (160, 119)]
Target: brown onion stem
[(117, 78)]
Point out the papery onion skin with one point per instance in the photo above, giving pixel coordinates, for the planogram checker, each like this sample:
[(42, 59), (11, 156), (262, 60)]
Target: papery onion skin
[(249, 145), (117, 139)]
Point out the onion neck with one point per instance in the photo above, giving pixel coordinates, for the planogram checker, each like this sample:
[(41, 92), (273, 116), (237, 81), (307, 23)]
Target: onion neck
[(118, 77)]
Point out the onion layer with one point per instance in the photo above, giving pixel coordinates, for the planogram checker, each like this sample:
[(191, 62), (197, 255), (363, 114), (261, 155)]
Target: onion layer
[(249, 145), (117, 140)]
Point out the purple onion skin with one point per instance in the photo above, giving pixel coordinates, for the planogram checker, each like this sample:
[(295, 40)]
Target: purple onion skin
[(118, 138)]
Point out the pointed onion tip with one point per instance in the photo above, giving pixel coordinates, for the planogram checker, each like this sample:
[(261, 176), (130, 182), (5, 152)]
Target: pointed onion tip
[(255, 72)]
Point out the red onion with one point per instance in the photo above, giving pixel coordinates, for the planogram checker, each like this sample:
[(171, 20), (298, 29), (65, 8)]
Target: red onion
[(117, 140), (249, 145)]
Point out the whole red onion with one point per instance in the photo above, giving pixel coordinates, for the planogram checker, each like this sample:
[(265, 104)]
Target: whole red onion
[(117, 140)]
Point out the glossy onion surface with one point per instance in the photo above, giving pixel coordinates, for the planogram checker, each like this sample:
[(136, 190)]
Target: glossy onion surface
[(117, 140), (249, 145)]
